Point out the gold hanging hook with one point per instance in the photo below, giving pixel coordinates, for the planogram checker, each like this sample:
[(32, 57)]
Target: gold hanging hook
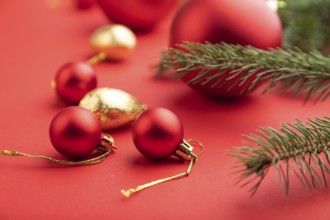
[(184, 152)]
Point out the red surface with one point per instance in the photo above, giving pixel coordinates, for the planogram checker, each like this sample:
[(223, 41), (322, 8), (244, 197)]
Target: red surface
[(36, 41)]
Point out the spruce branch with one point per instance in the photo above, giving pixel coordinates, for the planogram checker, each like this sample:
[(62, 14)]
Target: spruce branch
[(287, 70), (299, 149)]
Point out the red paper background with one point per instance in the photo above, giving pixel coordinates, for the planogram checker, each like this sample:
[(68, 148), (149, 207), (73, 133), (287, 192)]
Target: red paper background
[(35, 41)]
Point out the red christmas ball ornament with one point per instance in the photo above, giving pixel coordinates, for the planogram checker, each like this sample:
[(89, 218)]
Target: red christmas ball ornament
[(248, 22), (84, 4), (137, 14), (73, 80), (157, 133), (226, 91), (75, 132)]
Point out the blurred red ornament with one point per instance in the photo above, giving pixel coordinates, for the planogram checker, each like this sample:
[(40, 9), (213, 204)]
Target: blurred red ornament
[(75, 132), (248, 22), (137, 14), (157, 133), (227, 89), (74, 80), (84, 4)]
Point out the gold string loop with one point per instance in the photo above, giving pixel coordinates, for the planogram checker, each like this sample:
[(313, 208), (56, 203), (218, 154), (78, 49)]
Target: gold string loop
[(97, 58), (104, 149), (184, 152)]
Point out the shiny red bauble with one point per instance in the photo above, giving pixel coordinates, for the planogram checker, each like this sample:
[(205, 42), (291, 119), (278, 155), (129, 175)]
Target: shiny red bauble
[(75, 132), (137, 14), (157, 133), (248, 22), (73, 80)]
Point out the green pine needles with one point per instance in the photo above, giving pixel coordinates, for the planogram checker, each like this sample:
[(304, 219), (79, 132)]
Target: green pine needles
[(286, 70), (296, 149)]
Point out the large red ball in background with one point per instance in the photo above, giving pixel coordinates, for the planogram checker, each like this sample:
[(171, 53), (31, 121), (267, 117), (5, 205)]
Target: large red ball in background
[(73, 80), (248, 22), (137, 14), (84, 4), (75, 132), (157, 133)]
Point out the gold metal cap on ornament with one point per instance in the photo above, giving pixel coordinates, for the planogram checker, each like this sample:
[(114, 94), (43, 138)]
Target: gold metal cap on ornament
[(114, 41), (114, 108)]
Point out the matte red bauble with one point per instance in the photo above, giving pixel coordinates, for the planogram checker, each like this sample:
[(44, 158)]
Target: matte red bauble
[(84, 4), (137, 14), (248, 22), (74, 80), (75, 132), (157, 133)]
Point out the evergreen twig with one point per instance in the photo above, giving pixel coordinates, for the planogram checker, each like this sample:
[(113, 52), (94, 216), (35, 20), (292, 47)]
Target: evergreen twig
[(289, 70), (301, 149)]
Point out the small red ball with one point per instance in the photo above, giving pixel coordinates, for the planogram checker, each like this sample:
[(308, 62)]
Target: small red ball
[(157, 133), (75, 132), (74, 80)]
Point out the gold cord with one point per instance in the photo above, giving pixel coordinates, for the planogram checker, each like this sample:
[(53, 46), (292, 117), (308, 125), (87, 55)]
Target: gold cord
[(99, 57), (104, 152), (193, 160), (198, 144)]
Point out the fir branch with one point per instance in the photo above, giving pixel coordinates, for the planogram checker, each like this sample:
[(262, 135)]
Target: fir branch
[(297, 148), (288, 70)]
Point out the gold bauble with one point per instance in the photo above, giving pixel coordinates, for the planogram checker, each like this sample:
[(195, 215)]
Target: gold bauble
[(116, 41), (114, 108)]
